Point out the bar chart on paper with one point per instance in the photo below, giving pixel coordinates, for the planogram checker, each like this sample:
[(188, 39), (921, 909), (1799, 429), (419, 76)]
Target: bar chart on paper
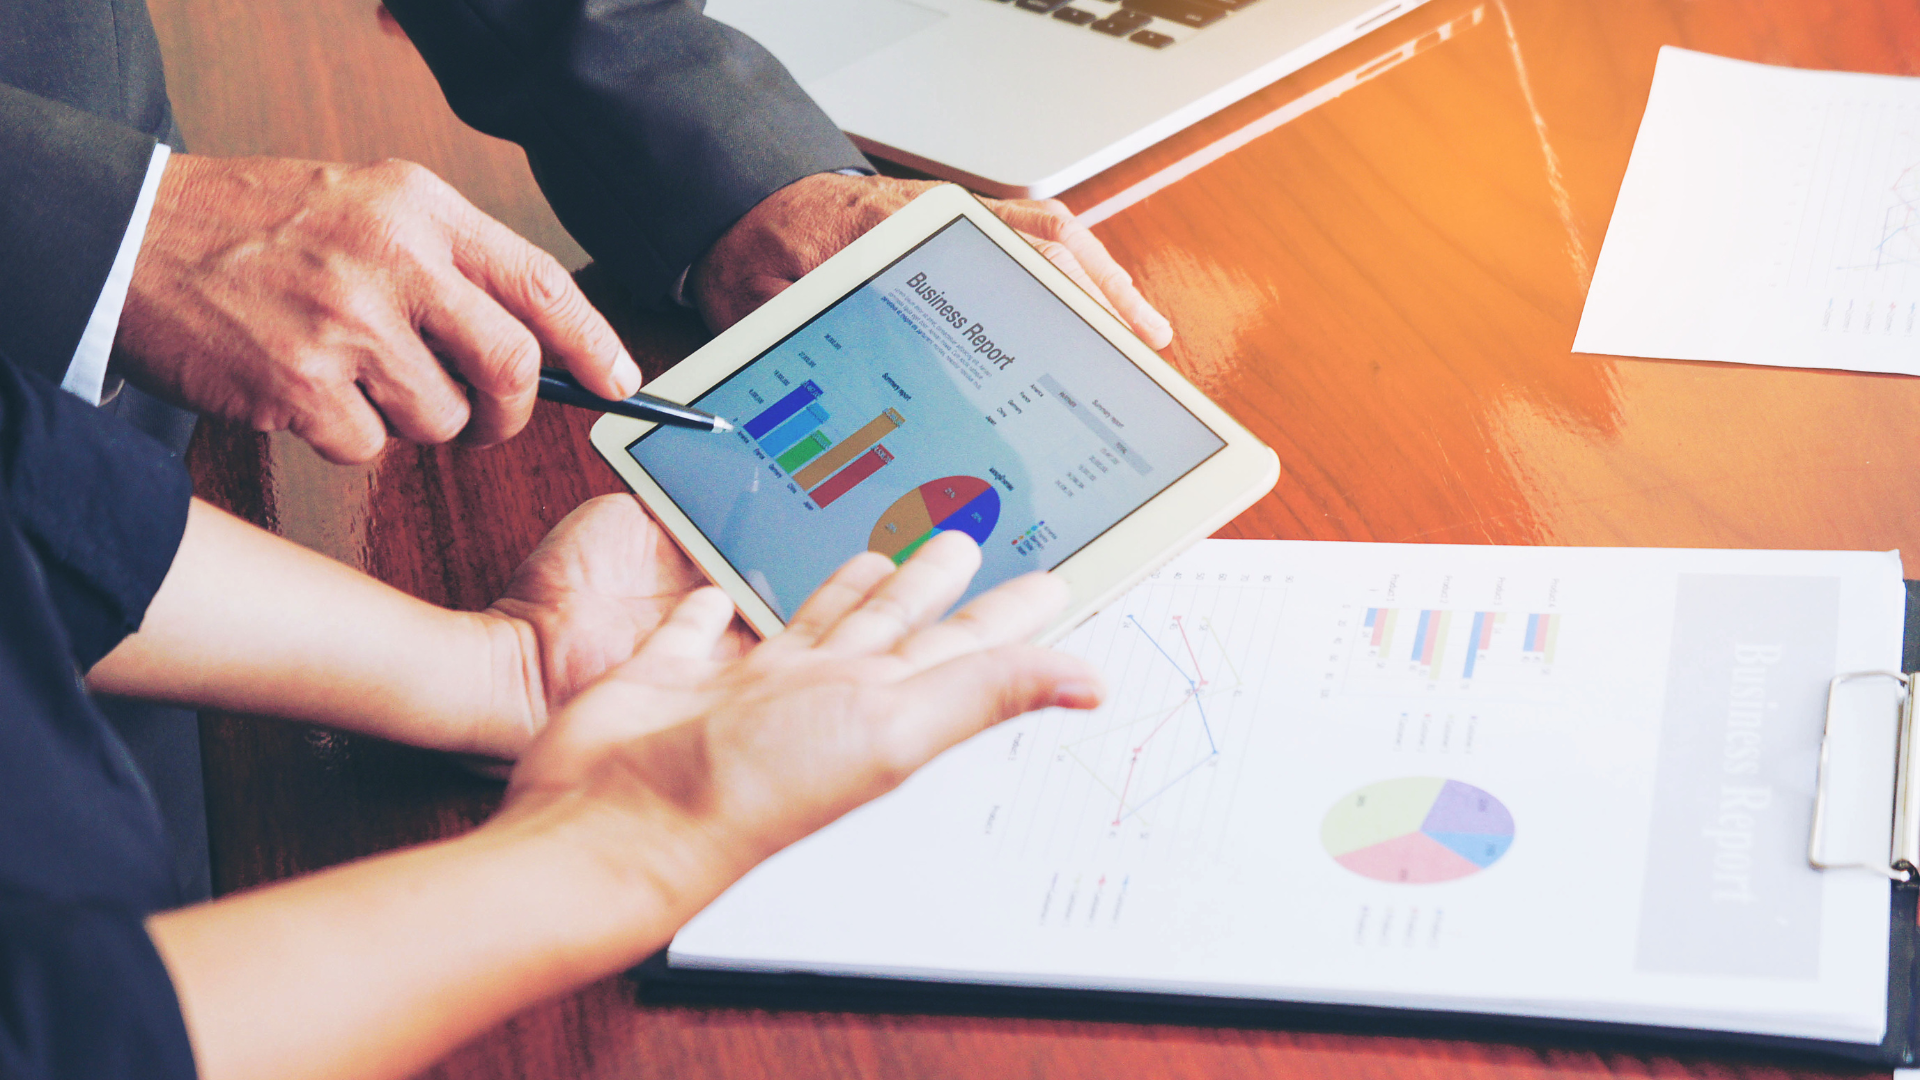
[(1434, 650)]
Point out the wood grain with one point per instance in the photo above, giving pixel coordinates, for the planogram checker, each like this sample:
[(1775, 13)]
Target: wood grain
[(1384, 288)]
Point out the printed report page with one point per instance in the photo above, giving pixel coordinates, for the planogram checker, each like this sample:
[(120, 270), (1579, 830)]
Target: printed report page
[(1535, 781), (952, 391)]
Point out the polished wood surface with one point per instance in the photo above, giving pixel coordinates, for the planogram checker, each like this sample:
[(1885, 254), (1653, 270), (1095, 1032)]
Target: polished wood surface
[(1384, 287)]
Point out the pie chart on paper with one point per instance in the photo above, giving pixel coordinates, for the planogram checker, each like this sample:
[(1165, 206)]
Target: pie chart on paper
[(1417, 830), (965, 504)]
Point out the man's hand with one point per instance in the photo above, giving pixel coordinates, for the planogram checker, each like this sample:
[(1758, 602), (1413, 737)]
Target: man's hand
[(349, 302), (689, 769), (601, 582), (798, 227)]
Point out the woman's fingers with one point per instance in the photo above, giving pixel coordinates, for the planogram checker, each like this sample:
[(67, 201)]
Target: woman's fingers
[(838, 595), (691, 632), (939, 708), (1009, 614), (915, 595)]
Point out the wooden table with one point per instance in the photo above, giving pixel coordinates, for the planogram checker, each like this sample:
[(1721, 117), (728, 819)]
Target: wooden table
[(1376, 264)]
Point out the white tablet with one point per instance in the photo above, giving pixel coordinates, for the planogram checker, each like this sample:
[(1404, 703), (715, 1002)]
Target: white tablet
[(936, 374)]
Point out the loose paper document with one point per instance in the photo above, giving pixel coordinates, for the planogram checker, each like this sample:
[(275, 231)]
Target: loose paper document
[(1535, 781), (1768, 216)]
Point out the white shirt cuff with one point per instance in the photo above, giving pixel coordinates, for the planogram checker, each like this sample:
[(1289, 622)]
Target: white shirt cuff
[(87, 374)]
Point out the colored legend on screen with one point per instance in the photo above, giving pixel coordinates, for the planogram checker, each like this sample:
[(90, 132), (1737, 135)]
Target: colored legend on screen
[(965, 504), (849, 478), (1543, 635), (846, 450), (1482, 639), (780, 411)]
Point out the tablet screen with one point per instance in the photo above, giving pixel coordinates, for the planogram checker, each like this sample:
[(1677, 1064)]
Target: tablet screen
[(950, 391)]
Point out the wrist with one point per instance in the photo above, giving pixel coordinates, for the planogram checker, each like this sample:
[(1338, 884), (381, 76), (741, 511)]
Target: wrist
[(620, 879), (511, 707)]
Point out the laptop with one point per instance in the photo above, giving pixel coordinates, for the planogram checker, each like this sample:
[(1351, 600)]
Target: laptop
[(1025, 98)]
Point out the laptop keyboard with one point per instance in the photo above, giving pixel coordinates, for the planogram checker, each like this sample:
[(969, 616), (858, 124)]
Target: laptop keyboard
[(1154, 24)]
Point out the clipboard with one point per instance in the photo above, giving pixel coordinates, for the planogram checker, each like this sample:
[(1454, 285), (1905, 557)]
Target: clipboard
[(655, 982)]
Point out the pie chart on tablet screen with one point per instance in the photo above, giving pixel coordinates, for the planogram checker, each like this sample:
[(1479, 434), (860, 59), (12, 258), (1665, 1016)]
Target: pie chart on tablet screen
[(1417, 830), (965, 504)]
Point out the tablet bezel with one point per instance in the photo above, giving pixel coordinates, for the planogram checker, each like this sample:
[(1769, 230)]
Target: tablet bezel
[(1188, 510)]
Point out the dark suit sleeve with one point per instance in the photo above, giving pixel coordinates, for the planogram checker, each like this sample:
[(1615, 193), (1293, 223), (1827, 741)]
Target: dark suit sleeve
[(68, 184), (84, 996), (650, 127), (101, 505)]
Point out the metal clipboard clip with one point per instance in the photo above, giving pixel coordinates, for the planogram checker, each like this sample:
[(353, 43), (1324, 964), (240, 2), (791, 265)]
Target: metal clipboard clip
[(1903, 861)]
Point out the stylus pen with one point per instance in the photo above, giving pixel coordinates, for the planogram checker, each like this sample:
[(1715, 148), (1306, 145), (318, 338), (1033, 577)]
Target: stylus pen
[(560, 385)]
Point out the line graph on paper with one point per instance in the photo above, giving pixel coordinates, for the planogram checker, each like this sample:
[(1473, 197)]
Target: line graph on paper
[(1898, 243), (1857, 249), (1154, 770)]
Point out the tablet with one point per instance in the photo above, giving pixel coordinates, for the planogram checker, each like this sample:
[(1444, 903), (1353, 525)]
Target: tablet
[(936, 374)]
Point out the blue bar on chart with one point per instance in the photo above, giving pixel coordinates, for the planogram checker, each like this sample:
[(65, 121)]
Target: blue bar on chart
[(1379, 629), (770, 417), (1482, 639), (1543, 634), (1420, 636), (797, 427)]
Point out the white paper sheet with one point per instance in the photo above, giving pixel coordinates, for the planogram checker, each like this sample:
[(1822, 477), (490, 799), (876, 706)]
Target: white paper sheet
[(1537, 781), (1768, 216)]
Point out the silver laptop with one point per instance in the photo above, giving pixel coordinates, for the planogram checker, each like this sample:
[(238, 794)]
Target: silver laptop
[(1029, 97)]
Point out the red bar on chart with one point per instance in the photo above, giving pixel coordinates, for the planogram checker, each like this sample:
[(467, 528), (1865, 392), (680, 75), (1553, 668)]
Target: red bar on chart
[(848, 478), (1436, 643)]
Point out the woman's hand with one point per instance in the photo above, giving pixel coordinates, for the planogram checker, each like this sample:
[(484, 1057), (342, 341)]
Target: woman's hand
[(649, 793), (705, 766), (603, 580), (248, 622)]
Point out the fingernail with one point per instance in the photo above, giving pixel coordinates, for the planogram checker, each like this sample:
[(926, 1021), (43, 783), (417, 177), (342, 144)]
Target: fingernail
[(626, 374), (1165, 330), (1077, 694)]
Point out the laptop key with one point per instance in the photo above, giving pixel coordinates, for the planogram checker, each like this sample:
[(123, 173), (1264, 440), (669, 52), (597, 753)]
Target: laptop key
[(1151, 39), (1184, 12), (1075, 16), (1042, 6), (1121, 23)]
